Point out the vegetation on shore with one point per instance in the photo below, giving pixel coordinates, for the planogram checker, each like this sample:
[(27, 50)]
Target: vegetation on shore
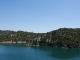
[(63, 37)]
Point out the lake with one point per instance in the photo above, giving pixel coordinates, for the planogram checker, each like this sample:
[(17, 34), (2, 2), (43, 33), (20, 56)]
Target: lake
[(22, 52)]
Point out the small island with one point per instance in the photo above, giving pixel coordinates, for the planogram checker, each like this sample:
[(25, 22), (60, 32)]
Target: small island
[(62, 37)]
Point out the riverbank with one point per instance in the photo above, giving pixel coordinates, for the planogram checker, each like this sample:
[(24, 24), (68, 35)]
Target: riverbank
[(10, 42)]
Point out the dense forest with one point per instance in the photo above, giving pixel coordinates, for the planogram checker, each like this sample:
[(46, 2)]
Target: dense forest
[(63, 37)]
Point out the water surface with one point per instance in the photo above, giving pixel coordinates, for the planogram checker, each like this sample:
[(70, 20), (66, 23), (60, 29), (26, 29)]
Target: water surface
[(22, 52)]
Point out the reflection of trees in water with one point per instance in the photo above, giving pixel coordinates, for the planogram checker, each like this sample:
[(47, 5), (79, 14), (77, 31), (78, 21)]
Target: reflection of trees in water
[(60, 53), (65, 53)]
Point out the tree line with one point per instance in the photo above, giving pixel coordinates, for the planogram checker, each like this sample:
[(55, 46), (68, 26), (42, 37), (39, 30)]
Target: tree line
[(62, 37)]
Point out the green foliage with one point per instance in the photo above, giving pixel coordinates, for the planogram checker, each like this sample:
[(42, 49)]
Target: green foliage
[(63, 37)]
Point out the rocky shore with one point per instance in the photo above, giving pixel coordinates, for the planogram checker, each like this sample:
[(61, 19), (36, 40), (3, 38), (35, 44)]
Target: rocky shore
[(10, 42)]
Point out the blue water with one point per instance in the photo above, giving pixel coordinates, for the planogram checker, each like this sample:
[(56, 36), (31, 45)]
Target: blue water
[(22, 52)]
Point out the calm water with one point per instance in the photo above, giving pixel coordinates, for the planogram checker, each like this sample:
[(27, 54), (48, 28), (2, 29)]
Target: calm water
[(22, 52)]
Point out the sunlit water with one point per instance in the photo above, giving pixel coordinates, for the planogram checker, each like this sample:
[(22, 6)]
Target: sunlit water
[(22, 52)]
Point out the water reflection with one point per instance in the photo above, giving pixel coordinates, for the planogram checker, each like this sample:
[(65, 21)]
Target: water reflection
[(22, 52), (60, 53)]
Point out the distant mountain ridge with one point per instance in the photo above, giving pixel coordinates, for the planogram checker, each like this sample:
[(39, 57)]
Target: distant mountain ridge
[(4, 32)]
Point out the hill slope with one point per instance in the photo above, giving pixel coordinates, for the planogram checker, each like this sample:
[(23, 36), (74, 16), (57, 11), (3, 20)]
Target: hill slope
[(63, 37)]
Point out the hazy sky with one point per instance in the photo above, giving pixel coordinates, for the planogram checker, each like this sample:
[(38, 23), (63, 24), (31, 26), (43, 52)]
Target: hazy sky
[(39, 15)]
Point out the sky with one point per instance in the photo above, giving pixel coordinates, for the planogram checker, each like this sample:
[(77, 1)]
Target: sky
[(39, 16)]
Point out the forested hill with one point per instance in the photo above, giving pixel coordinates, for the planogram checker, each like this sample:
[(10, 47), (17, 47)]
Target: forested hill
[(5, 32), (66, 37), (63, 37)]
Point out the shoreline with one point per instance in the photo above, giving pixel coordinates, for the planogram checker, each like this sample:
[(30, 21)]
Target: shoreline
[(10, 42)]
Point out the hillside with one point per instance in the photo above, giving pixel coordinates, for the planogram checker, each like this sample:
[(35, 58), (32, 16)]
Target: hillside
[(63, 37)]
